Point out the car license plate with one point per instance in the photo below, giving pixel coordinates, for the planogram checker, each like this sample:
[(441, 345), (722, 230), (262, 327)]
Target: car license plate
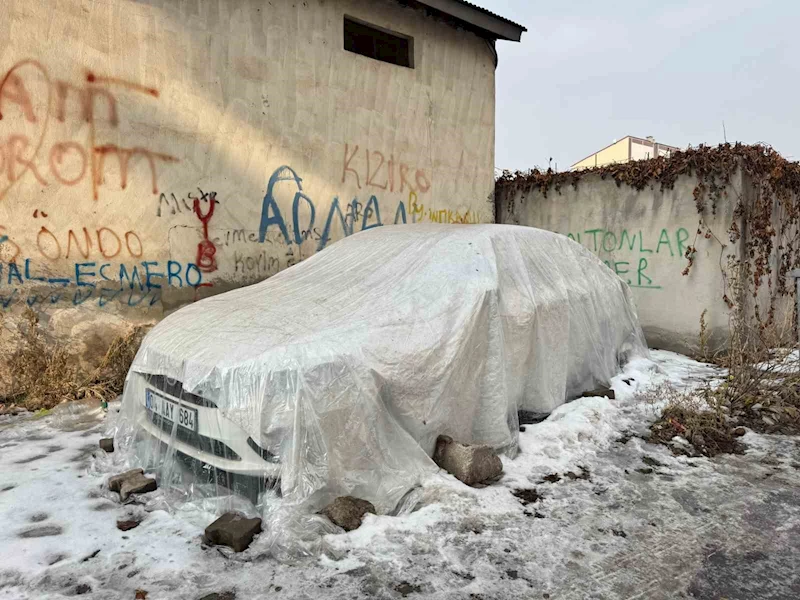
[(171, 411)]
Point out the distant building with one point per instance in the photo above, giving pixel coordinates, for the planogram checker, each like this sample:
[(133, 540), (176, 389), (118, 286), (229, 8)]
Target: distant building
[(621, 151)]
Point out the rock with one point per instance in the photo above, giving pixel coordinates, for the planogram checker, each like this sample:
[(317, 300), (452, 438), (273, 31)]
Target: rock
[(82, 588), (115, 483), (469, 464), (107, 444), (136, 484), (756, 407), (127, 524), (602, 392), (740, 431), (347, 512), (233, 530)]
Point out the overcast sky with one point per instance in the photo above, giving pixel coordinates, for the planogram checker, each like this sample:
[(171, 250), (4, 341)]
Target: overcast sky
[(587, 72)]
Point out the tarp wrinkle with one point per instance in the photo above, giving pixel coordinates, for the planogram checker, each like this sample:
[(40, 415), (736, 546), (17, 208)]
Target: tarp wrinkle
[(349, 365)]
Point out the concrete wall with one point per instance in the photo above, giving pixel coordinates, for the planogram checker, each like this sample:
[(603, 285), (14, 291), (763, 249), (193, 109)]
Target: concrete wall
[(153, 152), (642, 236)]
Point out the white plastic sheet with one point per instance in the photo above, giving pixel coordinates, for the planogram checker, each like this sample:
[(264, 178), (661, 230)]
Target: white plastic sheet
[(345, 368)]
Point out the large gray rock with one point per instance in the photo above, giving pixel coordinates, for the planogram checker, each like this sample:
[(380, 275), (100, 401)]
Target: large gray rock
[(347, 512), (107, 444), (115, 483), (233, 530), (470, 464), (136, 484)]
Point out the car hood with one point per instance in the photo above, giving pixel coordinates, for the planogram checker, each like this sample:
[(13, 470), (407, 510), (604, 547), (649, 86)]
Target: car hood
[(398, 296)]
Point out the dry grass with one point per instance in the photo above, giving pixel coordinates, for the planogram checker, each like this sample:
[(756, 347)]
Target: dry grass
[(42, 374), (45, 377), (706, 427), (761, 392), (712, 419), (108, 379), (762, 388)]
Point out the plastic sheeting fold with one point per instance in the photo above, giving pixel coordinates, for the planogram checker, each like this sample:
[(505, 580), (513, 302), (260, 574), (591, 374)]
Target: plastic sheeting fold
[(337, 375)]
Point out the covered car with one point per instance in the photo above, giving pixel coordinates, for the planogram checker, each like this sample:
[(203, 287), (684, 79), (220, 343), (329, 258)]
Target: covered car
[(337, 375)]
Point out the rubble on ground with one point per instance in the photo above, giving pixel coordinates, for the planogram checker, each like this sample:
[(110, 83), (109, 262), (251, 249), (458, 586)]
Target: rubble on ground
[(467, 463), (115, 483), (127, 524), (131, 482), (233, 530), (348, 512), (137, 484)]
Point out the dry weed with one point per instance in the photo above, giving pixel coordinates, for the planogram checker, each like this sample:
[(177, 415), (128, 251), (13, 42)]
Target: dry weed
[(706, 427), (108, 379), (44, 377), (761, 392), (42, 374)]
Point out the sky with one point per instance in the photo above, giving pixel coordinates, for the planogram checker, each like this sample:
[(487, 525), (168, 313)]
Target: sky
[(587, 73)]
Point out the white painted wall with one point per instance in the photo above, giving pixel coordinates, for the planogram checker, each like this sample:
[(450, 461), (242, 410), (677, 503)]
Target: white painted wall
[(117, 114)]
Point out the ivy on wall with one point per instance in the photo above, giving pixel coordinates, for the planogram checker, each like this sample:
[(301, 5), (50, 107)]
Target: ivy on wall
[(765, 216)]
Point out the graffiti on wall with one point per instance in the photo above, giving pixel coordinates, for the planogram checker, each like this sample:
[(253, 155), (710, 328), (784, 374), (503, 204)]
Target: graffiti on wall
[(132, 284), (373, 169), (61, 132), (33, 104), (206, 249), (82, 259), (53, 244), (637, 249), (356, 214)]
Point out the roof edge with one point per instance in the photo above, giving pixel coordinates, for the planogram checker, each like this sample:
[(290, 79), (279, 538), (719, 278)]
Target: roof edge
[(632, 137), (499, 27)]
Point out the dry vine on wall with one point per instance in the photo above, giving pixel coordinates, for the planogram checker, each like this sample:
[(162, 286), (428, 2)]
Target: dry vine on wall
[(765, 218)]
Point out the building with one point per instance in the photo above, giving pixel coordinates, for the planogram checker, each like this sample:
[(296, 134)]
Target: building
[(627, 149), (154, 152)]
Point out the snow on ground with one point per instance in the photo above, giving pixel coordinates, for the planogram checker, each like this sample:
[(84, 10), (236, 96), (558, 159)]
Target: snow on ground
[(783, 362), (631, 521)]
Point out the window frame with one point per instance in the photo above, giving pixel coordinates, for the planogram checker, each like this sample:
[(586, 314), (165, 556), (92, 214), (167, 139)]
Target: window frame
[(396, 34)]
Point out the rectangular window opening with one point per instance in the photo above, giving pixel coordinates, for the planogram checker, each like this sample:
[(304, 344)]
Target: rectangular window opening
[(378, 43)]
